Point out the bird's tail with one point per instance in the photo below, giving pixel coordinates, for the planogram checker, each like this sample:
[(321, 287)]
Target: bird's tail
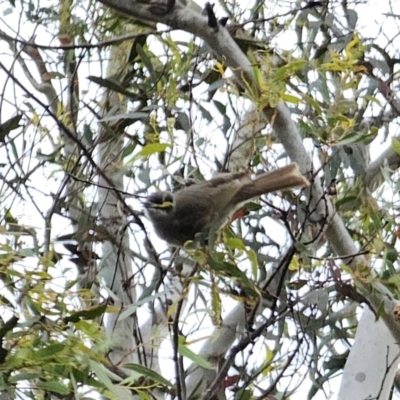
[(287, 177)]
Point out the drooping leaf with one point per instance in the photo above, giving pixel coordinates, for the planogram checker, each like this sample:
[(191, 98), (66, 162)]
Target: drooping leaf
[(54, 386), (88, 314), (186, 352), (8, 126), (149, 373)]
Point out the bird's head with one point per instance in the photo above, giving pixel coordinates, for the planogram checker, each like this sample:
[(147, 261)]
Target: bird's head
[(159, 202)]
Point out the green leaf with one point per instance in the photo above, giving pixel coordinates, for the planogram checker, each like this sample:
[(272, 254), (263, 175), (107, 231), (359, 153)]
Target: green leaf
[(351, 138), (27, 252), (149, 373), (220, 107), (348, 203), (49, 351), (251, 254), (143, 395), (150, 149), (128, 150), (373, 99), (380, 311), (336, 362), (235, 243), (139, 40), (3, 385), (146, 61), (298, 284), (244, 394), (253, 206), (183, 122), (351, 17), (186, 352), (396, 146), (231, 270), (216, 85), (313, 103), (291, 99), (134, 116), (101, 374), (289, 69), (54, 386), (115, 86), (9, 325), (88, 314), (24, 377), (216, 306), (205, 113), (9, 125), (391, 254), (395, 280), (88, 134), (132, 308)]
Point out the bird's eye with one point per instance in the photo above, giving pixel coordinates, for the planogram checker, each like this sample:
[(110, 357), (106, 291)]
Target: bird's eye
[(162, 200), (168, 198)]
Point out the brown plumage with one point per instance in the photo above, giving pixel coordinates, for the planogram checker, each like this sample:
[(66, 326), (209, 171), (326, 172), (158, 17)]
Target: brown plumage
[(204, 207)]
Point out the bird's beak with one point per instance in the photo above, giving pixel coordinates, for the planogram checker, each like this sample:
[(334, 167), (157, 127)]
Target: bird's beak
[(147, 204)]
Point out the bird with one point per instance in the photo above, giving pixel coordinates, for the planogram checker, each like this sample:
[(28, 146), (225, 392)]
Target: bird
[(197, 212)]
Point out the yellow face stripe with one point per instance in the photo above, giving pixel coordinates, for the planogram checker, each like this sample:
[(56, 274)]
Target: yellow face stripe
[(166, 204)]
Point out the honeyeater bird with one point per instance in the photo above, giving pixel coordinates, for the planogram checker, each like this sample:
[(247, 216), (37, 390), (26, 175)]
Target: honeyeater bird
[(198, 211)]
